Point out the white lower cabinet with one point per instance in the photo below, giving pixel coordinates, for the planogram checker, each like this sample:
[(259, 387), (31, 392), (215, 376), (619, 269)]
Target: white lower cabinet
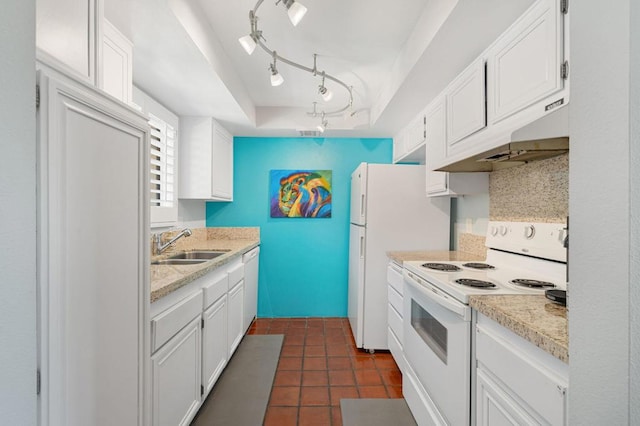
[(517, 383), (194, 332), (176, 378), (214, 354), (236, 304)]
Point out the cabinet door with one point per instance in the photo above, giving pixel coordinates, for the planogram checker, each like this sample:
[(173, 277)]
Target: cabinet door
[(466, 107), (214, 343), (416, 133), (177, 379), (494, 407), (524, 65), (117, 64), (93, 171), (66, 34), (399, 146), (222, 164), (236, 302), (435, 130)]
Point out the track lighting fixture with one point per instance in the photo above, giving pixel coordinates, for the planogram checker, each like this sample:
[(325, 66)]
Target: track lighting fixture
[(327, 94), (276, 77), (248, 43), (323, 124), (296, 11)]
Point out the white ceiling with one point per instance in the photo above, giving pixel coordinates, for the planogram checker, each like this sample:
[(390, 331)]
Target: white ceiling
[(397, 55)]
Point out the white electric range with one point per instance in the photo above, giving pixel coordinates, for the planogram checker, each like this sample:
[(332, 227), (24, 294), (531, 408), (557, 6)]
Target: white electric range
[(522, 258)]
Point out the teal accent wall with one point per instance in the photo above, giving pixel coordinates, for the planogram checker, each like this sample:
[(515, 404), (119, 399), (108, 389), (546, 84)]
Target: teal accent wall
[(303, 262)]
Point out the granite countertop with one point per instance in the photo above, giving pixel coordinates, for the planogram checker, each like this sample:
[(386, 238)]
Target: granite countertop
[(166, 279), (425, 255), (533, 317)]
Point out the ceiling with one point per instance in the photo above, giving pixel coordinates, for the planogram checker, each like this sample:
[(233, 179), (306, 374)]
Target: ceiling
[(397, 55)]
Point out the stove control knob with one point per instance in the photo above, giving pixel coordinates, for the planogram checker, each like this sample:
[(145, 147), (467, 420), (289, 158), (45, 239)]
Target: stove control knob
[(503, 230), (494, 230), (529, 232)]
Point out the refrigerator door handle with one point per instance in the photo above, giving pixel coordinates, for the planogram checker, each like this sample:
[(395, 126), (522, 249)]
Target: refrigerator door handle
[(362, 247), (362, 205)]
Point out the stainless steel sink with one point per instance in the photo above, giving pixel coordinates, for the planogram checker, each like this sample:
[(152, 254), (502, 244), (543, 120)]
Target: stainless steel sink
[(178, 261), (198, 254)]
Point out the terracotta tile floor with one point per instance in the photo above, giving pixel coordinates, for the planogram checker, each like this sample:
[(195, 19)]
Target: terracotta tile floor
[(320, 364)]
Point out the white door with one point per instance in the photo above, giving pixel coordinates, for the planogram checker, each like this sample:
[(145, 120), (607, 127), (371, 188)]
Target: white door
[(251, 262), (494, 406), (214, 343), (356, 282), (524, 65), (222, 164), (359, 195), (435, 130), (93, 307), (235, 330), (177, 378), (466, 105)]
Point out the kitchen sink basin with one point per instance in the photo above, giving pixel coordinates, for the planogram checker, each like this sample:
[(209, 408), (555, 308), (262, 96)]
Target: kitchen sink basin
[(178, 261), (198, 254)]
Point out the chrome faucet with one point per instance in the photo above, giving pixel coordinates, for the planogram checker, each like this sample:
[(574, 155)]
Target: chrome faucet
[(157, 238)]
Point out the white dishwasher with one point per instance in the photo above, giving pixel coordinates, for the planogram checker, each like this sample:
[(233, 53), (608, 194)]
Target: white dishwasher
[(251, 262)]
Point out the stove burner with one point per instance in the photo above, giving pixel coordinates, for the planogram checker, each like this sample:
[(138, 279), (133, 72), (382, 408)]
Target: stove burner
[(524, 282), (444, 267), (477, 265), (470, 282)]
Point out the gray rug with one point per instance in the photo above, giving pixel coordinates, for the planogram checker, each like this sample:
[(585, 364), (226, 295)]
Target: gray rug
[(376, 412), (248, 377)]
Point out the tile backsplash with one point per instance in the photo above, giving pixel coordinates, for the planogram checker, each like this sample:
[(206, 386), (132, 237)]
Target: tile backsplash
[(534, 192)]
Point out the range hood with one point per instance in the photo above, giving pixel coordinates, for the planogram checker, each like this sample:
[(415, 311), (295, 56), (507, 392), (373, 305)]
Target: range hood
[(544, 138)]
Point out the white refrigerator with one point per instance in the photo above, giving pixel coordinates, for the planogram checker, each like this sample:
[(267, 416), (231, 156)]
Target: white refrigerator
[(389, 212)]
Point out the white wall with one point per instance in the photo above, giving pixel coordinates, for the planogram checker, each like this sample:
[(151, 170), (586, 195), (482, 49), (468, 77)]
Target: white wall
[(469, 214), (634, 164), (599, 294), (17, 214)]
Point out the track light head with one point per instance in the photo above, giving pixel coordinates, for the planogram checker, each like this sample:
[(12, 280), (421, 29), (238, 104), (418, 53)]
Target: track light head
[(295, 10), (276, 77), (248, 43)]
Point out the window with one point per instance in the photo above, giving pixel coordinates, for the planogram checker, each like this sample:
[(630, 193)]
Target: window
[(163, 141), (163, 138)]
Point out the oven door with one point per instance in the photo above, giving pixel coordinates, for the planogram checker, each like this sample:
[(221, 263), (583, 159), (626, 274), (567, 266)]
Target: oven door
[(437, 345)]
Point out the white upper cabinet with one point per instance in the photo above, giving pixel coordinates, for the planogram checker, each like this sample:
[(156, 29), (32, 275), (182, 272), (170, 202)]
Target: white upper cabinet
[(409, 144), (444, 183), (435, 140), (116, 77), (66, 35), (466, 106), (524, 65), (206, 160)]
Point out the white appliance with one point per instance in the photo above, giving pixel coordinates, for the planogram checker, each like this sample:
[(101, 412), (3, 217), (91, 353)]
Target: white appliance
[(389, 211), (523, 258), (251, 261)]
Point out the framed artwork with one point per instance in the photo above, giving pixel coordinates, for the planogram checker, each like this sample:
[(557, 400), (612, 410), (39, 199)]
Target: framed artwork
[(300, 193)]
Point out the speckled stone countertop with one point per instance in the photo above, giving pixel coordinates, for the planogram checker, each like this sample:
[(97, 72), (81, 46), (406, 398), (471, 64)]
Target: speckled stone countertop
[(166, 279), (532, 317), (401, 256)]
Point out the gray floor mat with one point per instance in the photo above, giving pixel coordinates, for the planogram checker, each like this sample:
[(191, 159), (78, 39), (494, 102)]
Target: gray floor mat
[(376, 412), (248, 377)]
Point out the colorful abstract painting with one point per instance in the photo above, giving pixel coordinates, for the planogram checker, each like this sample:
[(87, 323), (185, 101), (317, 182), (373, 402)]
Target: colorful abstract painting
[(300, 193)]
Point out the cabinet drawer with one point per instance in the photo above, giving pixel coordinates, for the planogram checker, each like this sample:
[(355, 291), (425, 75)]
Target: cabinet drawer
[(395, 347), (235, 275), (394, 277), (217, 286), (395, 299), (168, 323), (395, 322), (525, 377)]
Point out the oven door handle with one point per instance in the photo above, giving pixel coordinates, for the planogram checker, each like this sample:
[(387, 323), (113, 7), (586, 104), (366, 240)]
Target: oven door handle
[(439, 297)]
